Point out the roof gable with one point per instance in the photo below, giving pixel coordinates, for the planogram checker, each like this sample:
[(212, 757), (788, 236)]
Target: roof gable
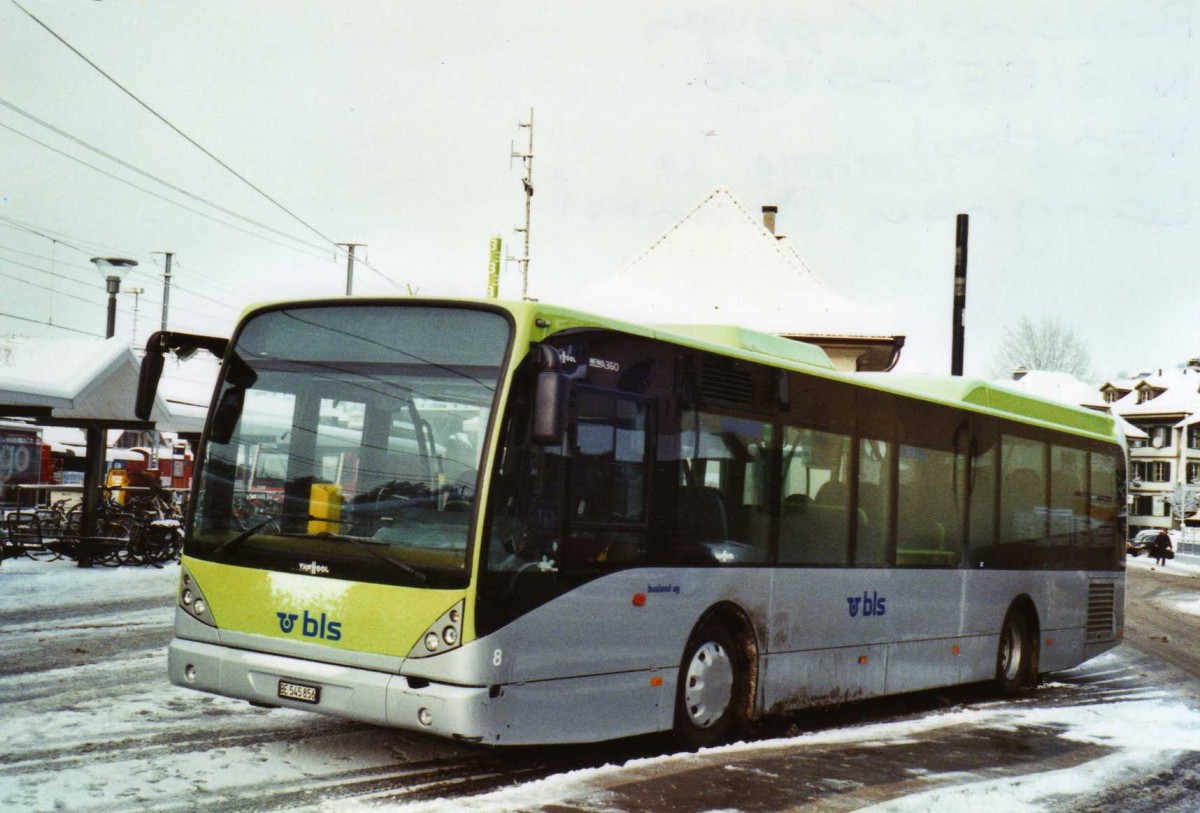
[(720, 265)]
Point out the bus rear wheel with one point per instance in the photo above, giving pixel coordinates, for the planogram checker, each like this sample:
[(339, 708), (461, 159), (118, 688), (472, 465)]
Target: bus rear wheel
[(711, 702), (1014, 660)]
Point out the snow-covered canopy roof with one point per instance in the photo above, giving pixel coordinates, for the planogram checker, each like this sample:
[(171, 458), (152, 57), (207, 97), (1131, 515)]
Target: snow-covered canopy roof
[(721, 265), (74, 379), (1055, 386)]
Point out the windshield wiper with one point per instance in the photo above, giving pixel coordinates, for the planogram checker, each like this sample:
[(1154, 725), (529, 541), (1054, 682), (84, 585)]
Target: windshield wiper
[(236, 541), (369, 547)]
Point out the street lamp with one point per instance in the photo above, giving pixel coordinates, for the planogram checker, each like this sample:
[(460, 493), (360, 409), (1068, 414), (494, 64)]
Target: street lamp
[(113, 269)]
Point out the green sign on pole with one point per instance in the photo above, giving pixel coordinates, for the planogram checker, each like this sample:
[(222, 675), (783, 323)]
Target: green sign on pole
[(493, 286)]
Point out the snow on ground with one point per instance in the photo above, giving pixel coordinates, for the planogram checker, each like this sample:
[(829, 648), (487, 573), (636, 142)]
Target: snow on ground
[(1181, 565), (1142, 733), (53, 749), (29, 585)]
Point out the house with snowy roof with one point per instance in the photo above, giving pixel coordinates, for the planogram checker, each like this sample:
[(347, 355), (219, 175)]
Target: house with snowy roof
[(722, 265), (1164, 462)]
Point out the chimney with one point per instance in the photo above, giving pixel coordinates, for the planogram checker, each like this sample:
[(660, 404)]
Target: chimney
[(769, 213)]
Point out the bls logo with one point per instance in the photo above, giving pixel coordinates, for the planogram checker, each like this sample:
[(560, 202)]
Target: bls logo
[(870, 604), (311, 626)]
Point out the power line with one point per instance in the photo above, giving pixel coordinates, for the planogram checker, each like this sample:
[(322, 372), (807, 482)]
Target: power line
[(48, 324), (152, 177), (163, 198), (161, 118), (191, 140), (60, 237), (48, 288)]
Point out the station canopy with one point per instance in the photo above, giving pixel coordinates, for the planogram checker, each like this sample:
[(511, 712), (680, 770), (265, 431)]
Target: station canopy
[(72, 382)]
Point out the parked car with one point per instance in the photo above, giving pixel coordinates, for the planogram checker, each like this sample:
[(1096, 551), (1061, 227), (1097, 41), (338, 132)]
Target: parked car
[(1142, 541)]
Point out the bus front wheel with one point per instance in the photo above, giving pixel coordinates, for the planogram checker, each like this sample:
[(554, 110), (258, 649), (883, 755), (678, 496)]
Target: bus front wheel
[(1015, 657), (711, 703)]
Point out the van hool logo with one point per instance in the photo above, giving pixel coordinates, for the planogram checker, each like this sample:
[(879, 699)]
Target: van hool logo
[(313, 568), (311, 626), (869, 604)]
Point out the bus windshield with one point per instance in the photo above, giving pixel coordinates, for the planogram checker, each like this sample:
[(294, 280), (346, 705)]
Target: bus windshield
[(347, 438)]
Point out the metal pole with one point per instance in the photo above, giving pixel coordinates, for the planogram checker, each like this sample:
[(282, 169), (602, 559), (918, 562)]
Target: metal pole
[(93, 480), (166, 287), (526, 159), (350, 265), (960, 294), (114, 287), (528, 210)]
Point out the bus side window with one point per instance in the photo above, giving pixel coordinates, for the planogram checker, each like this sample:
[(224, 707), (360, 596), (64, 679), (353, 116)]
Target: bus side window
[(1068, 502), (723, 504), (815, 525), (607, 502), (1023, 509), (875, 466), (981, 534), (1102, 544), (931, 503)]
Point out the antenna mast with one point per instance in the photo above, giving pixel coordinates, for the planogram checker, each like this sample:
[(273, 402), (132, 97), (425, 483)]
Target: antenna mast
[(527, 159)]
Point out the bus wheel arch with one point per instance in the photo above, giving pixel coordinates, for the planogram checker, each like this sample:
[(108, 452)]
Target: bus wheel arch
[(1017, 652), (718, 678)]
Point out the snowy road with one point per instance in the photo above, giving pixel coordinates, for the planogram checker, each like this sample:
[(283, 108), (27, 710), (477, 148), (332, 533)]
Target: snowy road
[(89, 723)]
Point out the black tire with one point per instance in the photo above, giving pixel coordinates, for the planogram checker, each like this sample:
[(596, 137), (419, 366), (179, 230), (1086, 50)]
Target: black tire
[(1014, 656), (712, 695)]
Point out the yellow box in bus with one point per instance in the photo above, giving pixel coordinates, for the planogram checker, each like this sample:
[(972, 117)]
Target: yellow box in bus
[(324, 508)]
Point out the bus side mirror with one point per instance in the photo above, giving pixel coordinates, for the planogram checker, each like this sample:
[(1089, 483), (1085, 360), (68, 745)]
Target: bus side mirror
[(550, 398), (183, 345), (225, 416), (147, 386)]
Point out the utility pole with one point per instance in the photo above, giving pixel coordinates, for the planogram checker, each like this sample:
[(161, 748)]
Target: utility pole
[(526, 159), (350, 264), (960, 294), (137, 298), (166, 287)]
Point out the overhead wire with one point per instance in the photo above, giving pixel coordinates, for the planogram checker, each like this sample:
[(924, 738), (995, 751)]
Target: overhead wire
[(155, 178), (59, 239), (143, 189), (191, 140), (49, 324)]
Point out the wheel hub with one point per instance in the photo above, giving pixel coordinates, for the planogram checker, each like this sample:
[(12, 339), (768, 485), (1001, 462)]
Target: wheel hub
[(708, 684)]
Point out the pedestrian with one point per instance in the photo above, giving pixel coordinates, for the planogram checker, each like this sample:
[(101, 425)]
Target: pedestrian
[(1161, 548)]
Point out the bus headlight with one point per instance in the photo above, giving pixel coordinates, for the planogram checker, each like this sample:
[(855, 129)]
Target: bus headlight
[(192, 600), (442, 635)]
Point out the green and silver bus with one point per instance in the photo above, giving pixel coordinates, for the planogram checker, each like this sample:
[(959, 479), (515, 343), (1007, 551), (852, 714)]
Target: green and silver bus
[(514, 523)]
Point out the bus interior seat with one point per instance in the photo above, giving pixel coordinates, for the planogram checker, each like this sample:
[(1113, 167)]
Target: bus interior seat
[(834, 492), (796, 503), (701, 514), (872, 519), (1024, 491), (818, 533)]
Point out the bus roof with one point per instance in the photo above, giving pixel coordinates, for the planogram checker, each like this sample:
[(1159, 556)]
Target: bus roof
[(974, 394)]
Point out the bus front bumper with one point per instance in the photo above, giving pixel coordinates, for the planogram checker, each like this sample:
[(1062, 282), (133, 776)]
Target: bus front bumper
[(459, 712)]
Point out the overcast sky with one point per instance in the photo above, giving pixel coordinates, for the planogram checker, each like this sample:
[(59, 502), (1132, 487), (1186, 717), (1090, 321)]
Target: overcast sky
[(1066, 130)]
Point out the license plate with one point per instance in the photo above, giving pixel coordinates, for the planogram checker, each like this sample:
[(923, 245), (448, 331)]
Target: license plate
[(298, 691)]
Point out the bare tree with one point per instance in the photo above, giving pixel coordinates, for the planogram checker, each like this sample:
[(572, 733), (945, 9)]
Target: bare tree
[(1184, 501), (1042, 344)]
